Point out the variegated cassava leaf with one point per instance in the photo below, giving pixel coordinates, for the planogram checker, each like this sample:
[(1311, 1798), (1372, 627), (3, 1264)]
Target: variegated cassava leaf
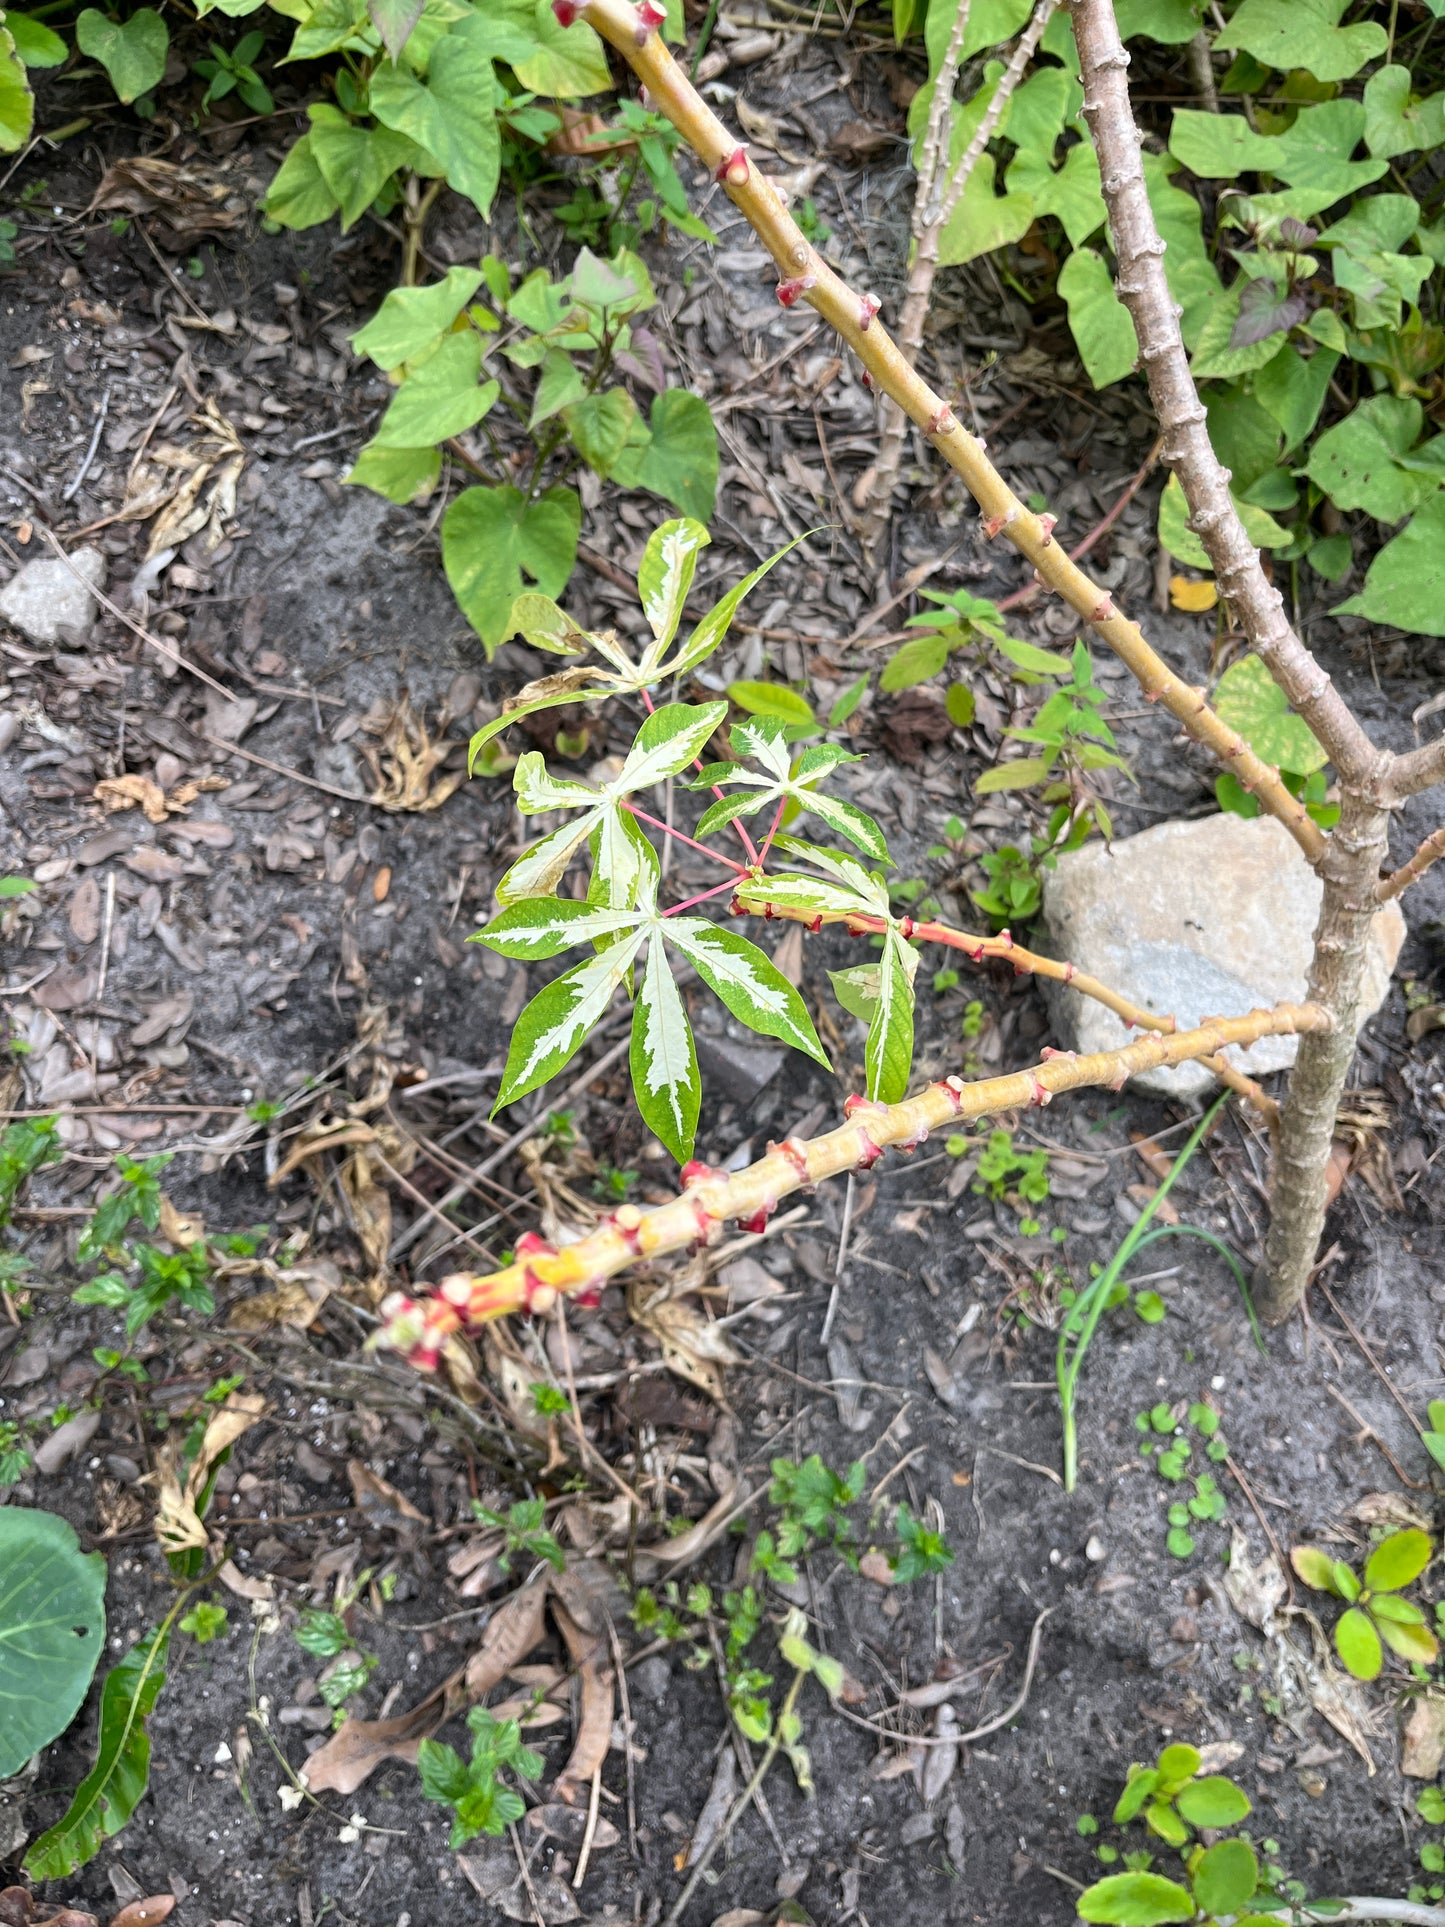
[(670, 739), (664, 577), (714, 626), (800, 898), (539, 621), (585, 683), (537, 790), (665, 1077), (888, 1056), (746, 980), (554, 1024), (540, 927), (540, 868), (866, 885), (765, 739)]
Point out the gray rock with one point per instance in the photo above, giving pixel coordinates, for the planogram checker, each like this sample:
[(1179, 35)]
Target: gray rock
[(47, 603), (1209, 918)]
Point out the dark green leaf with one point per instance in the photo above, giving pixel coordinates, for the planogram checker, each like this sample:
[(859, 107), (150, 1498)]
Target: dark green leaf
[(52, 1630)]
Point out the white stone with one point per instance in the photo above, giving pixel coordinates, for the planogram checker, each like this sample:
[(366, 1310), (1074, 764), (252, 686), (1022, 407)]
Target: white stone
[(1209, 918), (49, 604)]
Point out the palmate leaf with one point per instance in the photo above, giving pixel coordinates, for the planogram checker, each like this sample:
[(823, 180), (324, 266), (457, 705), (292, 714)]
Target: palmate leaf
[(110, 1792), (765, 738), (664, 1061), (667, 742), (665, 573)]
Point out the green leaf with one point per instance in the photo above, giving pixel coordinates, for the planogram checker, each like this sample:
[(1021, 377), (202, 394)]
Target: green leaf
[(773, 699), (1292, 391), (1071, 193), (402, 475), (440, 396), (52, 1630), (1405, 585), (1314, 153), (1305, 33), (665, 1076), (110, 1792), (298, 196), (1226, 1876), (1212, 1802), (915, 662), (1021, 774), (1358, 1644), (1314, 1567), (680, 462), (1249, 699), (598, 425), (538, 619), (1397, 121), (1171, 22), (1098, 320), (1414, 1643), (1140, 1787), (569, 61), (747, 981), (983, 221), (554, 1024), (1192, 276), (1136, 1900), (17, 103), (665, 574), (133, 52), (888, 1054), (1184, 545), (709, 633), (491, 535), (1398, 1561), (444, 1774), (354, 161), (452, 113), (36, 45), (409, 320), (1213, 353), (558, 386), (1358, 462), (394, 21)]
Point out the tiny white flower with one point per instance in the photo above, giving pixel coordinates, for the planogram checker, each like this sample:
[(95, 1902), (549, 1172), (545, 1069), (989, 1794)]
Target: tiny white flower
[(290, 1797)]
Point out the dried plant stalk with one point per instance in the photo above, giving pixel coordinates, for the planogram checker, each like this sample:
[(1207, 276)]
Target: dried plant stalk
[(420, 1327), (807, 277)]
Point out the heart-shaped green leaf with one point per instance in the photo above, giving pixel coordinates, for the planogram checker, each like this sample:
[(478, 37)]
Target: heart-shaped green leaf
[(52, 1629), (133, 52), (17, 103)]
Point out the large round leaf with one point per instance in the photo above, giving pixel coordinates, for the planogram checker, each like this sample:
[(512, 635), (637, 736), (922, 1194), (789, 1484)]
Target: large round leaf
[(1212, 1802), (1398, 1561), (1250, 700), (1359, 1645), (1136, 1900), (52, 1629), (1226, 1877)]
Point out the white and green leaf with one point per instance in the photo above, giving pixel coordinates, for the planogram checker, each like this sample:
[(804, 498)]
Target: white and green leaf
[(888, 1056), (747, 981), (710, 631), (664, 577), (670, 739), (543, 927), (553, 1026), (665, 1077)]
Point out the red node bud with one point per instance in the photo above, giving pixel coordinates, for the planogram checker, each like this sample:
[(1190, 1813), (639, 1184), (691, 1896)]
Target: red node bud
[(456, 1291), (817, 924), (853, 1103), (568, 12), (696, 1172), (626, 1221), (993, 523), (759, 1220), (868, 306), (794, 287), (1041, 1096), (954, 1088), (1070, 972), (870, 1153), (906, 927), (1048, 523), (649, 18), (530, 1245), (942, 423), (867, 379), (795, 1155), (732, 170), (704, 1220), (735, 908), (1105, 611), (1048, 1051), (920, 1136), (590, 1296), (1120, 1081)]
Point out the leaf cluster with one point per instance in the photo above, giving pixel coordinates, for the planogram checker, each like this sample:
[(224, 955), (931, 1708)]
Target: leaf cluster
[(1374, 1611), (480, 1800)]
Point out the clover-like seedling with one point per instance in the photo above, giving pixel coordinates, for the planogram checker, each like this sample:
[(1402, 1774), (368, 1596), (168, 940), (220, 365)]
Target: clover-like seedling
[(1374, 1610), (1174, 1800)]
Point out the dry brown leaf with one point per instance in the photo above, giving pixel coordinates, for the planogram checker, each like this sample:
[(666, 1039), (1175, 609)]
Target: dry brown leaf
[(84, 912), (295, 1301), (589, 1651), (404, 765), (378, 1500), (545, 1897), (584, 133), (144, 1913), (19, 1908), (181, 1228), (183, 204), (178, 1525), (568, 1826), (1423, 1752), (245, 1585), (693, 1346), (129, 791)]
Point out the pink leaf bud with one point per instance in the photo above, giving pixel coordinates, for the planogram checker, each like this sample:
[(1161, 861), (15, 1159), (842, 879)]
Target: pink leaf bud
[(732, 170), (649, 18), (568, 12), (867, 308), (796, 285)]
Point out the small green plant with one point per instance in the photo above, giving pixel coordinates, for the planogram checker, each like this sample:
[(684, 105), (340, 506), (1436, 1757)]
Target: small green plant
[(204, 1622), (1002, 1168), (1176, 1803), (612, 1185), (26, 1146), (548, 1401), (922, 1550), (227, 71), (549, 347), (480, 1800), (1374, 1611), (15, 1456), (138, 1195), (1081, 1320), (163, 1276), (812, 1502), (524, 1530)]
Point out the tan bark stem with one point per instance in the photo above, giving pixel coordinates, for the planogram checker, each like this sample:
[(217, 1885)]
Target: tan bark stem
[(931, 214), (806, 276), (1416, 770), (1144, 290), (1430, 851), (419, 1327), (1298, 1194)]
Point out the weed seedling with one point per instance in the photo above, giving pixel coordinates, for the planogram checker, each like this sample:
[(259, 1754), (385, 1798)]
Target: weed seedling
[(480, 1801), (1374, 1611), (524, 1529)]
